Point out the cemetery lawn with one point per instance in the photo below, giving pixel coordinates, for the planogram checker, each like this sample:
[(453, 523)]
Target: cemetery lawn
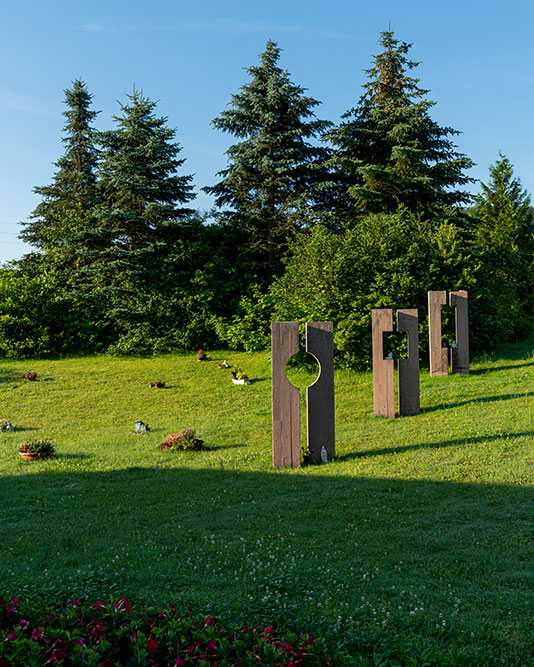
[(415, 547)]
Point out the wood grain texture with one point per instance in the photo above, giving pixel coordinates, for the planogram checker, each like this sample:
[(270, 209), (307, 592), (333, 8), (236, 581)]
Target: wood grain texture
[(409, 390), (320, 403), (383, 369), (460, 354), (439, 355), (285, 396)]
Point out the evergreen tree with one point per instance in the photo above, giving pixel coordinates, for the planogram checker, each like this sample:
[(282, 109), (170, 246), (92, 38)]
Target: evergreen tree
[(140, 213), (72, 193), (272, 171), (504, 242), (389, 151), (504, 209)]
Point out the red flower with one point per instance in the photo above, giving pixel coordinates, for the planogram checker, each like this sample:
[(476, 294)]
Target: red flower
[(178, 662), (152, 645), (210, 621), (98, 605)]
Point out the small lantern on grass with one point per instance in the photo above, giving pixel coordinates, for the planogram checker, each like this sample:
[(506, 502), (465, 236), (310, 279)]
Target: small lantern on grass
[(140, 427)]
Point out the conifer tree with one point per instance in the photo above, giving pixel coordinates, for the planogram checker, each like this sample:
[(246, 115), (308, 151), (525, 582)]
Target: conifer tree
[(272, 170), (140, 212), (69, 199), (389, 152), (504, 209)]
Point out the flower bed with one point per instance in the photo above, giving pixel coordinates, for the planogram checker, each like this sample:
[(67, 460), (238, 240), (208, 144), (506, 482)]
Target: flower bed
[(108, 635)]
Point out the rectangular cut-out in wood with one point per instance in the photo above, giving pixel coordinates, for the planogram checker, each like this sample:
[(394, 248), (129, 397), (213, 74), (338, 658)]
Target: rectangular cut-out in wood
[(285, 396), (439, 355), (460, 353), (320, 395), (409, 392), (383, 369)]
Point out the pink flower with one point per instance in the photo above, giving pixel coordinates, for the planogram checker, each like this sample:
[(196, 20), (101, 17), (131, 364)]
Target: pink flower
[(178, 662), (210, 621), (212, 646), (36, 634), (79, 642), (122, 604), (11, 636), (23, 625), (98, 605)]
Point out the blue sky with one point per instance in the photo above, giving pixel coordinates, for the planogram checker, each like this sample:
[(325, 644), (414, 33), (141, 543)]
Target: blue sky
[(476, 59)]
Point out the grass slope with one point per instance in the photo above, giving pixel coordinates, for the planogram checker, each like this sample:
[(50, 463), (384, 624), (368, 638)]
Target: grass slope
[(414, 547)]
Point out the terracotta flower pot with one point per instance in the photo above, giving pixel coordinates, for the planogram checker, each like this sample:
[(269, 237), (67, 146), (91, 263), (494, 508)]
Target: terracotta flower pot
[(33, 456)]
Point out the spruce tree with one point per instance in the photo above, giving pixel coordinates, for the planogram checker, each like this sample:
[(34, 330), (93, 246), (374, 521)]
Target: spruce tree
[(504, 209), (389, 152), (140, 212), (69, 199), (272, 170)]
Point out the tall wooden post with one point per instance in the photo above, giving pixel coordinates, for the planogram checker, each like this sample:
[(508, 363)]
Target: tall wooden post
[(460, 353), (285, 396), (409, 392), (439, 355), (383, 369), (320, 394)]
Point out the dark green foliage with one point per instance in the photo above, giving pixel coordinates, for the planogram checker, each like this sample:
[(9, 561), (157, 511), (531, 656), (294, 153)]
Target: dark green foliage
[(389, 152), (273, 169), (505, 247), (36, 320), (74, 184), (141, 211)]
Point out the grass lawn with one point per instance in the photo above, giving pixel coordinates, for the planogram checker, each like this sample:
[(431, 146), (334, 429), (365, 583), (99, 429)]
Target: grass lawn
[(417, 543)]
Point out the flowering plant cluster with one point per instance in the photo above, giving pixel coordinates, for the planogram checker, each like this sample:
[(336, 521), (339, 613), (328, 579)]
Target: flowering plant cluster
[(109, 634), (36, 446), (29, 376), (185, 439)]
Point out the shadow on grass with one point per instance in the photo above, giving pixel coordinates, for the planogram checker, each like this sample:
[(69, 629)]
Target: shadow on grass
[(222, 537), (73, 456), (433, 445), (223, 447), (491, 369), (480, 399)]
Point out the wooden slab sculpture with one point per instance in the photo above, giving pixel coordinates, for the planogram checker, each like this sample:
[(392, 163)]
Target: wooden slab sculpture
[(408, 369), (286, 397), (320, 394), (459, 351), (383, 369), (439, 355)]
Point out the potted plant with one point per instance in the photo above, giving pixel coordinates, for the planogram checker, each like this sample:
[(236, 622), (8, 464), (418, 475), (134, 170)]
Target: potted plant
[(186, 439), (201, 355), (240, 377), (36, 449), (6, 425)]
